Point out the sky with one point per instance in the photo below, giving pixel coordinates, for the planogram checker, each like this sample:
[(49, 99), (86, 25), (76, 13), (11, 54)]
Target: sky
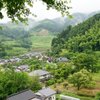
[(82, 6)]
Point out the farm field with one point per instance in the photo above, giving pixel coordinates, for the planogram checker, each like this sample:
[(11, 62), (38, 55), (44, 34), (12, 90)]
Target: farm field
[(41, 43)]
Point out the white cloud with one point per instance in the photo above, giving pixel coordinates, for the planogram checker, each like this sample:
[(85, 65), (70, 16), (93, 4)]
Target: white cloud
[(85, 6)]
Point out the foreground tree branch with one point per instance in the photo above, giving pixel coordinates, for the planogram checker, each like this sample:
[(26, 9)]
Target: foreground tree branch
[(19, 9)]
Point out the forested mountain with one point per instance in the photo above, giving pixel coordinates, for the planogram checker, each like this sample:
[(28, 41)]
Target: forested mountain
[(80, 38), (59, 24), (49, 25)]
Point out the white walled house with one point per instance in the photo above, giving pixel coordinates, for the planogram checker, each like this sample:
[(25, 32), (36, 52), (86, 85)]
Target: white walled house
[(47, 93)]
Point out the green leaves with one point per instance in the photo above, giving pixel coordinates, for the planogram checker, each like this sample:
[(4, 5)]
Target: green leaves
[(12, 82), (80, 79), (83, 37), (97, 96), (19, 9), (87, 61)]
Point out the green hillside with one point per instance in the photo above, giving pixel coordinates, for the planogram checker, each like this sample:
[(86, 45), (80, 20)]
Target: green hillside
[(15, 41), (80, 38), (81, 44)]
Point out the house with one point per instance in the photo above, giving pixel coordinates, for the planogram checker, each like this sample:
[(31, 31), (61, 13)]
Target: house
[(2, 61), (43, 75), (44, 94), (23, 95), (63, 97), (62, 59), (12, 60), (23, 68), (47, 93), (17, 59)]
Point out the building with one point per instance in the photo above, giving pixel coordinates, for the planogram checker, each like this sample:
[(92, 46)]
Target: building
[(44, 94), (42, 74), (23, 95), (24, 68), (47, 93)]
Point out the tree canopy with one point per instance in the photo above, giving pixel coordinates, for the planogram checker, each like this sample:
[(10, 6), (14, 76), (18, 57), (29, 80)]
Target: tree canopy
[(9, 83), (80, 79), (19, 9)]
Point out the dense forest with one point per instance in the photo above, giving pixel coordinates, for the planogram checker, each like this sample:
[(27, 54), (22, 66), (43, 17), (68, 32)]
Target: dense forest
[(80, 38), (80, 43)]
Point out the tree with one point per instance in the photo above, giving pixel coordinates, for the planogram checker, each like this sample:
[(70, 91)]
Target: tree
[(12, 82), (2, 50), (19, 9), (87, 61), (80, 79)]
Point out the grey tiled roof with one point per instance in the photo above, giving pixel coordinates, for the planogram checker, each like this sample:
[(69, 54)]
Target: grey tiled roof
[(39, 73), (24, 95), (47, 92), (23, 66)]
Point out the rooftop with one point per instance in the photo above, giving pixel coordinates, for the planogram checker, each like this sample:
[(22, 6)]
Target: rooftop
[(47, 92), (38, 72), (23, 95), (23, 66)]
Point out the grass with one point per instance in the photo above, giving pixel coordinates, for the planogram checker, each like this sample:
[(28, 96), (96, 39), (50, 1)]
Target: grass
[(41, 42)]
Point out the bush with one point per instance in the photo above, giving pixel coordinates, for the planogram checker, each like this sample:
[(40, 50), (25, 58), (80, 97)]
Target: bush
[(60, 80), (50, 82), (97, 97)]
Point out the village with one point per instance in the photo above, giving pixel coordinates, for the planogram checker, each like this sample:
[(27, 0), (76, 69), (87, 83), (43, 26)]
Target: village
[(46, 93)]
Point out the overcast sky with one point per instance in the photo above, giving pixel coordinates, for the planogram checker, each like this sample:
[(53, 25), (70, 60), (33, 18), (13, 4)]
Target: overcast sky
[(83, 6)]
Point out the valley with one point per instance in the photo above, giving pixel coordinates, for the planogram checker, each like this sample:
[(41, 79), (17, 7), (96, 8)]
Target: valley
[(67, 50), (18, 38)]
